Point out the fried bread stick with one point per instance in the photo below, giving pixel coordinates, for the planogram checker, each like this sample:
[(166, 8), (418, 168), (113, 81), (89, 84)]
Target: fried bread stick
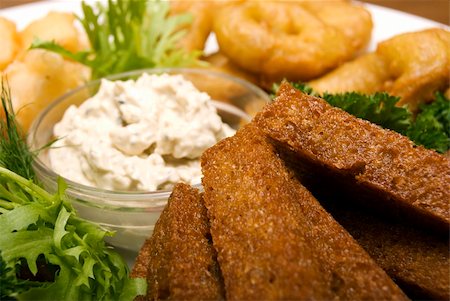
[(140, 266), (418, 262), (273, 239), (182, 264), (379, 164)]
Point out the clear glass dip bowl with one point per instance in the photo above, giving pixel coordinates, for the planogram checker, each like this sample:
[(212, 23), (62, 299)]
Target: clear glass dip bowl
[(132, 215)]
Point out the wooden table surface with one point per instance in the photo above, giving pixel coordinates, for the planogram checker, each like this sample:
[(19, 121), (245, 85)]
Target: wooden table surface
[(437, 10)]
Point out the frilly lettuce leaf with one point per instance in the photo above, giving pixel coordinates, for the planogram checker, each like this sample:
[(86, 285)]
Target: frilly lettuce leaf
[(87, 268)]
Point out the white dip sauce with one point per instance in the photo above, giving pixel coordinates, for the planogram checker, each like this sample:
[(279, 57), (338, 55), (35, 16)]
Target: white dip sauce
[(137, 135)]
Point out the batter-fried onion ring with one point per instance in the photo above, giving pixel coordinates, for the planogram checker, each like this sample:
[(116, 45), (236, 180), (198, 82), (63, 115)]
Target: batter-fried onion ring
[(282, 39), (199, 29)]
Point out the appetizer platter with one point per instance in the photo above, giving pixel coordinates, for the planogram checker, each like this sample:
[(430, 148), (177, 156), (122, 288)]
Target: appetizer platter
[(223, 150)]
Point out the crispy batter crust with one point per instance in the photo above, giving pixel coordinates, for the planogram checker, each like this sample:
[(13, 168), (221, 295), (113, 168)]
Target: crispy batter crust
[(274, 240), (412, 180), (182, 264)]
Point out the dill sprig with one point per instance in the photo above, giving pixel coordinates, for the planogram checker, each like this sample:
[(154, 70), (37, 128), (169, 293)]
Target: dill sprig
[(14, 152)]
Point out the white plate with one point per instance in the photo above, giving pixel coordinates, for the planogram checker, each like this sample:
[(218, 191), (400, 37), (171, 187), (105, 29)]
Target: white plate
[(387, 22)]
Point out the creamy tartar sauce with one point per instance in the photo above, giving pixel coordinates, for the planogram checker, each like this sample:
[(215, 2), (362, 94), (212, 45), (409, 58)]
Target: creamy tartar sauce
[(141, 135)]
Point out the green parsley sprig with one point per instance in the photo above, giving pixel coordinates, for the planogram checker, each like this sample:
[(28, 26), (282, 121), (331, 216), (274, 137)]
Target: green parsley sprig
[(431, 127), (127, 35)]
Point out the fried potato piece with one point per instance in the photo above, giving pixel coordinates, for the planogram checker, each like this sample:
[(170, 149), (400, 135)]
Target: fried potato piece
[(274, 240), (182, 262), (419, 62), (10, 42), (366, 74), (39, 77), (384, 167), (55, 26)]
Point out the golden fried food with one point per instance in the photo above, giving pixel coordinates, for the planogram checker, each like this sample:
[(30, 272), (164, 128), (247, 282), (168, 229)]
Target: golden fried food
[(412, 66), (220, 62), (284, 39), (351, 19), (37, 78), (366, 74), (182, 262), (55, 26), (201, 25), (274, 240), (10, 42), (381, 165), (419, 64)]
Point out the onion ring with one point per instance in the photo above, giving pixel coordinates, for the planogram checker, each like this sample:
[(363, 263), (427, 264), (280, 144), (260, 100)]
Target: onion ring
[(199, 29), (282, 39)]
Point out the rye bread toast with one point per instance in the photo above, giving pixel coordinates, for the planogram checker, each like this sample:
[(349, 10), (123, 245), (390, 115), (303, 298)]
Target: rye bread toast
[(273, 239), (415, 258), (182, 262), (384, 167), (417, 261)]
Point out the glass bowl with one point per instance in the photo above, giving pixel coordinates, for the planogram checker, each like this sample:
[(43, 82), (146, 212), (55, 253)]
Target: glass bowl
[(132, 215)]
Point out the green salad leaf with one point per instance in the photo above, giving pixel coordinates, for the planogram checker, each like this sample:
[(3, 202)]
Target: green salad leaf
[(127, 35), (47, 252), (39, 223), (9, 284), (430, 128)]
